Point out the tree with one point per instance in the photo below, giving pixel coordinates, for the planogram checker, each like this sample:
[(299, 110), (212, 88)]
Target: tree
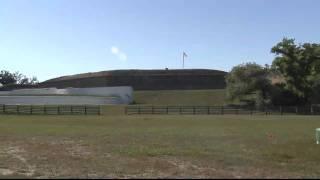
[(33, 80), (24, 80), (7, 78), (315, 97), (282, 96), (247, 79), (299, 65)]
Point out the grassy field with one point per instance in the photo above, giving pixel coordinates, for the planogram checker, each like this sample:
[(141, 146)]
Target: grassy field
[(181, 97), (159, 146)]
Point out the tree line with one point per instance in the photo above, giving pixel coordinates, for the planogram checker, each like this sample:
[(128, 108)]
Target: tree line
[(292, 79), (7, 78)]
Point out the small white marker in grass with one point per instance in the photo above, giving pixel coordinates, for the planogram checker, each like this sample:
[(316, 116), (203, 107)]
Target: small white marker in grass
[(318, 135)]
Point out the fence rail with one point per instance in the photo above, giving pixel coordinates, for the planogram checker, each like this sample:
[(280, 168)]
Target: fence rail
[(221, 110), (50, 109)]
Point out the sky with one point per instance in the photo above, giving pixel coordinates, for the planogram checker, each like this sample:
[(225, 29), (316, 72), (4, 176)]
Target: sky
[(51, 38)]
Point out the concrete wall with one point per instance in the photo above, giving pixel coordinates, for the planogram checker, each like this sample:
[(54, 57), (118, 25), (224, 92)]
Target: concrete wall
[(100, 95), (58, 100), (42, 91), (124, 92)]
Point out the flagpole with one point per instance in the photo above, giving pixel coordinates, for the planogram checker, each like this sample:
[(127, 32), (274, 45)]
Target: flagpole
[(182, 60)]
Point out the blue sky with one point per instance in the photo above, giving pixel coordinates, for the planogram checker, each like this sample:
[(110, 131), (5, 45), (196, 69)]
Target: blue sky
[(50, 38)]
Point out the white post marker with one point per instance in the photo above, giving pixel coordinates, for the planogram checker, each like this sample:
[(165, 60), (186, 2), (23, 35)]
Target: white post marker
[(318, 135)]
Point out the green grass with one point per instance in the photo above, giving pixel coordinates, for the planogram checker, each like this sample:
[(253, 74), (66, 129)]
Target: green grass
[(113, 110), (159, 146), (181, 97)]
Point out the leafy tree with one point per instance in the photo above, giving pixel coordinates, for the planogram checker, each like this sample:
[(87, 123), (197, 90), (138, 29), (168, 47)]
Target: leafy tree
[(33, 80), (299, 65), (248, 79), (24, 80), (282, 96), (315, 97), (7, 78)]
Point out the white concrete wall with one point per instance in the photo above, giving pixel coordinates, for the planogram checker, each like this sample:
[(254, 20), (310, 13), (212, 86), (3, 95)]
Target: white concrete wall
[(37, 91), (58, 100), (123, 94)]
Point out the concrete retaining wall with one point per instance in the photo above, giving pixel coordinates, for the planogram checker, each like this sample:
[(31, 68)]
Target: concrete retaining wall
[(100, 95), (58, 100)]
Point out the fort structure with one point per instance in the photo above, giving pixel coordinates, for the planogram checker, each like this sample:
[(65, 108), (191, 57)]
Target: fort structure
[(109, 87), (144, 79)]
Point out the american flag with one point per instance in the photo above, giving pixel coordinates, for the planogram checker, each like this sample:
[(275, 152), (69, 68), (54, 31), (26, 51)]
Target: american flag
[(185, 55)]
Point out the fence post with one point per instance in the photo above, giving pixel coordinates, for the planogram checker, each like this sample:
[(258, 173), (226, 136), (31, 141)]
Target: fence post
[(18, 110), (139, 110), (85, 109), (222, 110), (31, 109), (194, 110), (99, 110), (152, 110), (58, 110), (180, 109), (44, 109), (71, 108), (208, 109), (167, 110), (3, 108), (266, 110)]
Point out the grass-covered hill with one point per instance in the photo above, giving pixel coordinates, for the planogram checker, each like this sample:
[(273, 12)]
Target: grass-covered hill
[(145, 79), (181, 97)]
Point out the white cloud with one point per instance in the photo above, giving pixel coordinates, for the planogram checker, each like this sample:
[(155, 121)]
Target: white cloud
[(114, 50), (119, 54)]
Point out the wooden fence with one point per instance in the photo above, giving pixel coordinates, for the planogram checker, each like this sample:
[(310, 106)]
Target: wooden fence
[(50, 109), (221, 110)]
